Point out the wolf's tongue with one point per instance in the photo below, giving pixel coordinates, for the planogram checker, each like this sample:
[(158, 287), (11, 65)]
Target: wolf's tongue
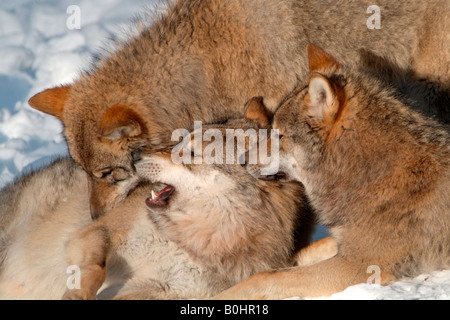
[(160, 199)]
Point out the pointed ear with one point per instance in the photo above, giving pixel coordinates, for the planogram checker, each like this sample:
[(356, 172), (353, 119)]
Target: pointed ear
[(51, 101), (323, 100), (319, 60), (256, 110), (121, 122)]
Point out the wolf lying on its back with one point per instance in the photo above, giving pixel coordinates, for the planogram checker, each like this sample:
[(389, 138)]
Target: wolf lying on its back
[(204, 59), (378, 175), (201, 230)]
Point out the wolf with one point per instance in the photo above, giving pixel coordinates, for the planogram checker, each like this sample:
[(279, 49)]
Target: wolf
[(203, 60), (190, 232), (377, 174)]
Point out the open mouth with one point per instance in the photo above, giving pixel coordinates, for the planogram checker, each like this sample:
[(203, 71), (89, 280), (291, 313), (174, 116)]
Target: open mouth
[(159, 199)]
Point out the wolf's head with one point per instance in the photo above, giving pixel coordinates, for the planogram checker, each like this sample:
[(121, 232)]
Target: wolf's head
[(345, 129), (101, 142), (210, 204), (307, 115)]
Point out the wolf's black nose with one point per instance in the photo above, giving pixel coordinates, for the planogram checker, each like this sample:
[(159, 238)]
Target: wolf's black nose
[(136, 155)]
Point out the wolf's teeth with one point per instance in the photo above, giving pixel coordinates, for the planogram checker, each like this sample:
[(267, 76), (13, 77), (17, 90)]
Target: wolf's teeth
[(153, 195)]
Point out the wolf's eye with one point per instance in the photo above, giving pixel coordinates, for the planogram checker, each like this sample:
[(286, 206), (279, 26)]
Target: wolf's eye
[(101, 174), (115, 175), (136, 155), (278, 135), (106, 174)]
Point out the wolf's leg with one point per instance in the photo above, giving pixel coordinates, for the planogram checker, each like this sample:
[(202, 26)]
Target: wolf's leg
[(322, 279), (88, 249), (155, 291), (316, 251)]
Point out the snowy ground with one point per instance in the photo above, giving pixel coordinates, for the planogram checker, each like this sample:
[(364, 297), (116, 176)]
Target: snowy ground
[(41, 46)]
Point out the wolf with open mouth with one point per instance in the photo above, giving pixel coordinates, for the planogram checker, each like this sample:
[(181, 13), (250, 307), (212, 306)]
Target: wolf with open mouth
[(223, 223), (191, 233), (218, 212)]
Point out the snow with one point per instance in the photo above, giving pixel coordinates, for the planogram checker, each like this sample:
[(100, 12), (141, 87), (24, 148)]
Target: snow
[(41, 46), (433, 286)]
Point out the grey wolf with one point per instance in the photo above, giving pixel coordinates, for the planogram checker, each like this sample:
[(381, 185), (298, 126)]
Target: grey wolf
[(377, 174), (191, 232), (203, 60)]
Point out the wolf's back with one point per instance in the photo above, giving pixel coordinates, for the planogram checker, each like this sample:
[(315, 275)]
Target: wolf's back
[(38, 213), (36, 194), (39, 187)]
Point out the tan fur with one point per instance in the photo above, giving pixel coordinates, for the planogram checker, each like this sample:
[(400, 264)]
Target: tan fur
[(316, 251), (377, 174), (220, 226), (51, 101), (203, 60)]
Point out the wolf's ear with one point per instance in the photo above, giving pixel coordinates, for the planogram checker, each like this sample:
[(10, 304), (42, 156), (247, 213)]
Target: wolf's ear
[(121, 122), (319, 60), (51, 101), (256, 110), (323, 100)]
